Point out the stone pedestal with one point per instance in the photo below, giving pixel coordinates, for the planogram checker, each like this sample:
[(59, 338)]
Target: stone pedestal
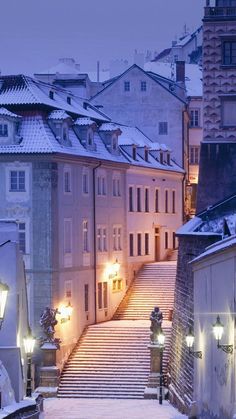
[(49, 373), (152, 389)]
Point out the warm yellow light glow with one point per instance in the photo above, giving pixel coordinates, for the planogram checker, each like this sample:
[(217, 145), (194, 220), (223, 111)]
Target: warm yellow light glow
[(218, 329), (29, 342), (161, 338), (65, 312), (190, 339), (4, 289), (113, 270)]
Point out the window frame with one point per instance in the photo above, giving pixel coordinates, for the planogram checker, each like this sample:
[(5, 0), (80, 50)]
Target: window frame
[(193, 121), (85, 235), (163, 127), (126, 86), (18, 181), (230, 40)]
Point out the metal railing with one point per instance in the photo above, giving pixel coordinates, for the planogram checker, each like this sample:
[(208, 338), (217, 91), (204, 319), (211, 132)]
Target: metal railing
[(220, 11)]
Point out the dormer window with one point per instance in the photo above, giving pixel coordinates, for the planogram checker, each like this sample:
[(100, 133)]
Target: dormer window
[(168, 158), (146, 154), (3, 130), (90, 137), (161, 157), (65, 133), (51, 94), (114, 143), (134, 153)]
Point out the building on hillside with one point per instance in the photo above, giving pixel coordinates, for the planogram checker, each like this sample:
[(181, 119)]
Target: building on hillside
[(216, 181), (66, 180), (187, 48)]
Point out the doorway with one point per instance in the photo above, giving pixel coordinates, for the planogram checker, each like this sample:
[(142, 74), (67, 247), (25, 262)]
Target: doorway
[(157, 244)]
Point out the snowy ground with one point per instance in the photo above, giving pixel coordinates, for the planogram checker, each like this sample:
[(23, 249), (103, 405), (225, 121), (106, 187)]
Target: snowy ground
[(108, 409)]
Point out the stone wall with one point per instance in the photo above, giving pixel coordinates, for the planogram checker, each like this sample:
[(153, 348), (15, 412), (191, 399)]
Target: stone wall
[(181, 363)]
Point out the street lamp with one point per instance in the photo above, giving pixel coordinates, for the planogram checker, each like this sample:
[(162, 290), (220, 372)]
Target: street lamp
[(161, 343), (4, 289), (218, 329), (190, 341), (114, 269), (29, 342)]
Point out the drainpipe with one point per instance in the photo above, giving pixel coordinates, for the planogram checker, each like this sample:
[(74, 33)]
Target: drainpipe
[(94, 241)]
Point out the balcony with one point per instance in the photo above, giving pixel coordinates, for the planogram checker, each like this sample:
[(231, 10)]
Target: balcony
[(220, 13)]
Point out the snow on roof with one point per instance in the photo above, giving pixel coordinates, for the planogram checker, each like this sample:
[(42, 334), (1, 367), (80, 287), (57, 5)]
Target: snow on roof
[(109, 127), (60, 68), (59, 115), (103, 75), (132, 135), (24, 90), (5, 112), (193, 75), (217, 247), (84, 121), (190, 226)]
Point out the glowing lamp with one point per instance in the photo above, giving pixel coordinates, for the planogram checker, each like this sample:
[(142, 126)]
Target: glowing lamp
[(4, 289), (29, 343), (66, 312), (189, 338), (114, 269), (161, 338), (218, 329)]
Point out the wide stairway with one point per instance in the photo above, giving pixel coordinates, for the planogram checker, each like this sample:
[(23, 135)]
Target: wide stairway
[(111, 360)]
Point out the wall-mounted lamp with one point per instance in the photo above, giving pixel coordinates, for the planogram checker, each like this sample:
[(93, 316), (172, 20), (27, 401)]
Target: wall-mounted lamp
[(218, 329), (66, 312), (4, 289), (114, 269), (189, 342)]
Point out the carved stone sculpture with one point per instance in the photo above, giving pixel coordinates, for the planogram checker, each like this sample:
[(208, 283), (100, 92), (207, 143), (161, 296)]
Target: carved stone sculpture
[(48, 322), (156, 322)]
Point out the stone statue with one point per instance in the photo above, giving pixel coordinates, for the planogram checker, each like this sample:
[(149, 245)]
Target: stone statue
[(156, 322), (48, 322)]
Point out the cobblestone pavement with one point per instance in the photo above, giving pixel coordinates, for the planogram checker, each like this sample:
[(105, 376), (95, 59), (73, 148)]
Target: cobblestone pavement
[(108, 409)]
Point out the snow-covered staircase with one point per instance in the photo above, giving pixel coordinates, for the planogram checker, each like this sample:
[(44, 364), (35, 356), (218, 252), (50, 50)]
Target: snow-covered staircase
[(154, 286), (111, 360)]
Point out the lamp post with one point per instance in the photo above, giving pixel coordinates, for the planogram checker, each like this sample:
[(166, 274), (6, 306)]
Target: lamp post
[(218, 329), (161, 343), (29, 342), (114, 269), (4, 289), (190, 341)]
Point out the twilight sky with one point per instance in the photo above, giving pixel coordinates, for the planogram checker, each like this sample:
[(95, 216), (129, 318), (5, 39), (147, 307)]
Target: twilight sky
[(34, 34)]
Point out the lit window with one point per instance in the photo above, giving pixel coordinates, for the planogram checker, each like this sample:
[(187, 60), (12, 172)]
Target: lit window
[(3, 130), (85, 236), (143, 86), (17, 180), (163, 128), (67, 181), (194, 118), (194, 155), (127, 86), (22, 237)]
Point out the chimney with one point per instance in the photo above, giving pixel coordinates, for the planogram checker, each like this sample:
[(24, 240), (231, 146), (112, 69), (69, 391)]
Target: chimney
[(98, 71), (180, 71)]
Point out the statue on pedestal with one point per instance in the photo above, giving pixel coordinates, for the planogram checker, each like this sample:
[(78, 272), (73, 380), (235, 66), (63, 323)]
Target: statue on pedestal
[(156, 322), (48, 322)]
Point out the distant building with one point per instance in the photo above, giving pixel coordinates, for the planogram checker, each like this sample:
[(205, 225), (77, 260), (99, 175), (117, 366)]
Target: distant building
[(80, 187)]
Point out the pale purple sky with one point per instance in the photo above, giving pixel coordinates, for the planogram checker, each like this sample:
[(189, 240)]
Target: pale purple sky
[(34, 34)]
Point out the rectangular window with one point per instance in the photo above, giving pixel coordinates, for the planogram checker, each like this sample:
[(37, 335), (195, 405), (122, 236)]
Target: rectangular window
[(68, 289), (102, 239), (85, 183), (229, 52), (163, 128), (146, 200), (101, 185), (86, 297), (157, 200), (166, 240), (85, 236), (67, 236), (22, 237), (67, 181), (119, 245), (228, 112), (173, 202), (174, 240), (17, 180), (166, 201), (117, 238), (139, 208), (127, 86), (116, 187), (139, 244), (194, 155), (146, 244), (99, 239), (131, 244), (131, 196), (143, 86), (100, 295), (105, 295), (3, 130), (104, 186), (119, 284), (194, 118)]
